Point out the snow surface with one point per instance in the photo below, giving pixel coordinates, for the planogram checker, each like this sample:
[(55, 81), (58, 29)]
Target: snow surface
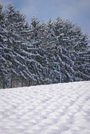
[(49, 109)]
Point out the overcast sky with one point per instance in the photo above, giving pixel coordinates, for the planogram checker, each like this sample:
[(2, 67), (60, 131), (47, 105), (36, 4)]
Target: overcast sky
[(77, 11)]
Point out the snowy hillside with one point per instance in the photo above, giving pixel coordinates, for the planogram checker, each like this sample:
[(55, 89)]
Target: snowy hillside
[(49, 109)]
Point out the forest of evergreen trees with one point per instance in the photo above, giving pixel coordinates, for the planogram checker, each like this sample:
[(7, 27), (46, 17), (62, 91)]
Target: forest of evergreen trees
[(39, 52)]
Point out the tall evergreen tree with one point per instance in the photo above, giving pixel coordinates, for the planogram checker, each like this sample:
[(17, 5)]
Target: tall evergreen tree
[(3, 51), (15, 24)]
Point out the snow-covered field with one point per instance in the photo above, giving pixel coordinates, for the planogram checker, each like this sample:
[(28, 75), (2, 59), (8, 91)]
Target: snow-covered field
[(48, 109)]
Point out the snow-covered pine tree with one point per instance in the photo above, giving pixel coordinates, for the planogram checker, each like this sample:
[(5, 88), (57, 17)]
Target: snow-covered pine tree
[(3, 51), (15, 24), (13, 43), (38, 53), (82, 56), (58, 59), (65, 45), (76, 44), (63, 54)]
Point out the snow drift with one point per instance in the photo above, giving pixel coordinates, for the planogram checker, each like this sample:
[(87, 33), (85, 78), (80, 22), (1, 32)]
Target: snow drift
[(49, 109)]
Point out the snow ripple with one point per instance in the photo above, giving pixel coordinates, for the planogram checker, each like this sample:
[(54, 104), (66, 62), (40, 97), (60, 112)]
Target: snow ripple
[(49, 109)]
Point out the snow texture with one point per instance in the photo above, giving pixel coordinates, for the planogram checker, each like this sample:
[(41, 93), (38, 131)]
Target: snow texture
[(47, 109)]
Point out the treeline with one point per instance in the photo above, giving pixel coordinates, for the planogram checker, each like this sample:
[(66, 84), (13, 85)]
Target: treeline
[(39, 52)]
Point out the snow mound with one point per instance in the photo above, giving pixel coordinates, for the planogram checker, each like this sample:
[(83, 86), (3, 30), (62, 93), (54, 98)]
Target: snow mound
[(49, 109)]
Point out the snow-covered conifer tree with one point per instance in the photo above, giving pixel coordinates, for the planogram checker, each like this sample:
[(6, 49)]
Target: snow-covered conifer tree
[(66, 43), (3, 48), (15, 25)]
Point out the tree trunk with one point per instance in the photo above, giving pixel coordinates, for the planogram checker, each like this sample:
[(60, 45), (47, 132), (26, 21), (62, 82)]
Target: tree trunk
[(3, 84)]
